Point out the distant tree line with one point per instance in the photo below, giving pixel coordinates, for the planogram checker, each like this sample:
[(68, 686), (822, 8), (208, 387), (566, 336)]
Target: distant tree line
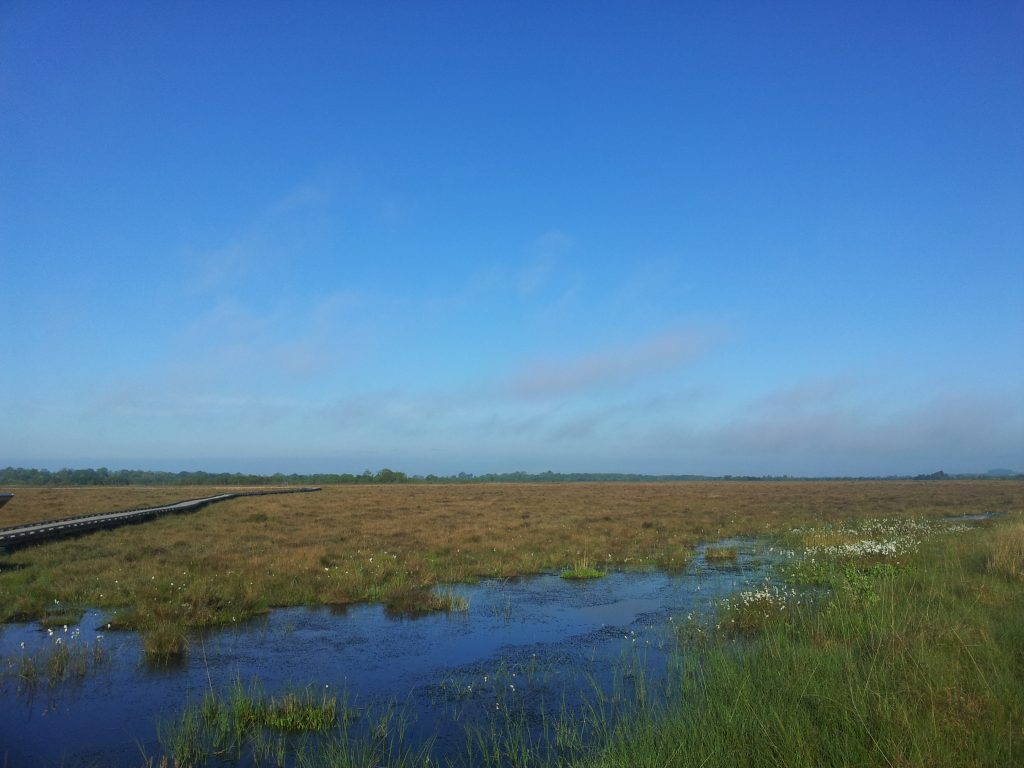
[(103, 476), (568, 477)]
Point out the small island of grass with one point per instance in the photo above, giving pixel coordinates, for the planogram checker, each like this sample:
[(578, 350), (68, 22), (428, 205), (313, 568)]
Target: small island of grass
[(582, 569)]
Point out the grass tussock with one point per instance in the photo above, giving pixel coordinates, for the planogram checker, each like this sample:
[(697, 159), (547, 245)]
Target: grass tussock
[(307, 727), (581, 570), (244, 710), (419, 602), (721, 554), (1007, 555), (66, 656), (754, 611), (164, 642)]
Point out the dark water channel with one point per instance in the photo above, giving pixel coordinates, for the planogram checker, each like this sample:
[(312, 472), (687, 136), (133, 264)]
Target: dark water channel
[(537, 642)]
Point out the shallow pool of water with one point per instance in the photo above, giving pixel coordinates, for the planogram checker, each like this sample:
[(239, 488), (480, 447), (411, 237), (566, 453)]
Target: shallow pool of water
[(535, 642)]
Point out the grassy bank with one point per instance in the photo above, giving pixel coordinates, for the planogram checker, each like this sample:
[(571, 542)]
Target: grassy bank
[(391, 544), (915, 659)]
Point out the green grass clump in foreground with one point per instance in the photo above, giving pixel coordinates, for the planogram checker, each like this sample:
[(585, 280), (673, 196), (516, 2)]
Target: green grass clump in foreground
[(245, 723), (307, 727), (66, 657), (923, 669), (582, 569)]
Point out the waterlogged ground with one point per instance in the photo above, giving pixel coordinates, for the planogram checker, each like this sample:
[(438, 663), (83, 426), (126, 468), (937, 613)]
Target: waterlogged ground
[(535, 655), (535, 644)]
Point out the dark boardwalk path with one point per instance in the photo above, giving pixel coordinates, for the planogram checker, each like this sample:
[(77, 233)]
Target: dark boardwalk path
[(20, 535)]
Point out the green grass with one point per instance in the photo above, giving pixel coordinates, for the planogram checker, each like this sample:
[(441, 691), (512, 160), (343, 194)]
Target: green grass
[(582, 569), (164, 642), (65, 658), (244, 723), (915, 665), (577, 573), (308, 727), (245, 710)]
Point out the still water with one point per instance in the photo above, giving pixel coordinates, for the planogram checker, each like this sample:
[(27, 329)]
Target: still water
[(540, 643)]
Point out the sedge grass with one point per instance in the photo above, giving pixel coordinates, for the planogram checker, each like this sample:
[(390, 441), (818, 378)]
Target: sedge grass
[(244, 723), (927, 673), (581, 570), (1007, 555), (307, 727), (64, 657)]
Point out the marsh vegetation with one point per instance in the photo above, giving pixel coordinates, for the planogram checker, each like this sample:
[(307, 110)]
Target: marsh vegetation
[(394, 543), (582, 569), (66, 655), (883, 634), (872, 655)]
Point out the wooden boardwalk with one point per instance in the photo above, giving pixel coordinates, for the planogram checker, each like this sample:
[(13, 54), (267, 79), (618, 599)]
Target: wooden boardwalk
[(31, 533)]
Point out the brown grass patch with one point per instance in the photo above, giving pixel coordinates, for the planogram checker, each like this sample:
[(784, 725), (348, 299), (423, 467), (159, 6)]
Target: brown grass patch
[(1007, 557), (33, 505)]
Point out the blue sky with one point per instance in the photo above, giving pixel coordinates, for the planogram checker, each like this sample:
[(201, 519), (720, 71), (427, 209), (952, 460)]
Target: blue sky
[(713, 238)]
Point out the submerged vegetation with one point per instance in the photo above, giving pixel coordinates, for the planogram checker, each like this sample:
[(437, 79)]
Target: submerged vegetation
[(66, 656), (721, 554), (412, 603)]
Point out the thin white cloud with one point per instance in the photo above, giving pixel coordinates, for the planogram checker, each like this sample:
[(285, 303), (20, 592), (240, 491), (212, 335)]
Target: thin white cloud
[(544, 253), (301, 197), (554, 242), (806, 395), (831, 426), (614, 366), (248, 248)]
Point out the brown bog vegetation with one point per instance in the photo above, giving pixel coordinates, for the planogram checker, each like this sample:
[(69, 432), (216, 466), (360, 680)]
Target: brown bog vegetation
[(33, 505), (392, 543)]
